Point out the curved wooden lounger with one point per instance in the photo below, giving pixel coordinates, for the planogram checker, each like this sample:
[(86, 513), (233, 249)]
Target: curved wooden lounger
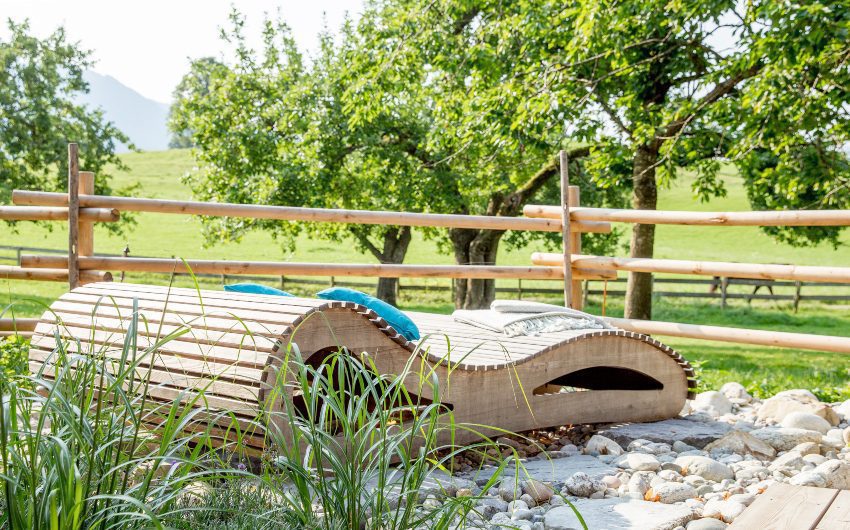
[(233, 350)]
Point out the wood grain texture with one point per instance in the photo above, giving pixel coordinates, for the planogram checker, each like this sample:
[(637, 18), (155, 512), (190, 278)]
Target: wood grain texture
[(236, 349), (756, 218), (838, 514), (73, 215), (786, 507)]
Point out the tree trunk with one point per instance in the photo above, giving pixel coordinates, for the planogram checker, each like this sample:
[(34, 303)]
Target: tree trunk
[(396, 242), (395, 248), (475, 247), (645, 197)]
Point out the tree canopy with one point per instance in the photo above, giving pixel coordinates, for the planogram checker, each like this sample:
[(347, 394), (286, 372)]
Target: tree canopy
[(652, 87), (39, 117)]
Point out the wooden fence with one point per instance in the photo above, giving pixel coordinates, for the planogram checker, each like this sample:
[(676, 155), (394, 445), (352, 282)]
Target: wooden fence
[(82, 208)]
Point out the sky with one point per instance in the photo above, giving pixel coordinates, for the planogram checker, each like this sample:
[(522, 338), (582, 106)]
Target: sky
[(147, 45)]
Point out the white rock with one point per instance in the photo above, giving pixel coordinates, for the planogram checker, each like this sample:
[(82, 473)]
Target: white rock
[(713, 403), (846, 436), (807, 448), (642, 462), (736, 391), (814, 460), (742, 443), (836, 473), (705, 467), (671, 492), (582, 485), (784, 438), (708, 523), (646, 446), (601, 445), (807, 421), (808, 478), (612, 481), (843, 410), (744, 498), (538, 491), (618, 514), (516, 505), (791, 459), (640, 483), (775, 409), (726, 510)]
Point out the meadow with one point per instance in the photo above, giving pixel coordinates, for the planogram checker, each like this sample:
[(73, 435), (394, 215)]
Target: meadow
[(763, 370)]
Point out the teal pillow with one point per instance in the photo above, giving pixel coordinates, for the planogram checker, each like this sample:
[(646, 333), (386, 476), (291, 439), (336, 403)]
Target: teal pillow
[(395, 318), (254, 288)]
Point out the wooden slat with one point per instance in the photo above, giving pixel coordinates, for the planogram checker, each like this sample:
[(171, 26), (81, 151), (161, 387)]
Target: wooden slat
[(202, 367), (217, 338), (786, 507), (167, 372), (838, 513), (206, 322), (248, 359)]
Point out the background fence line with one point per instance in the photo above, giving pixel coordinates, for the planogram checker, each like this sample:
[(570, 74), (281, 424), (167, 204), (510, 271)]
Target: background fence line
[(81, 264)]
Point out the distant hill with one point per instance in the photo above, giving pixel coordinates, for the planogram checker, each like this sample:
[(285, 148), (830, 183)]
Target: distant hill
[(140, 118)]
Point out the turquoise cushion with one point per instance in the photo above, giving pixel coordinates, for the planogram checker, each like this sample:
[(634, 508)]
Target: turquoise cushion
[(395, 318), (254, 288)]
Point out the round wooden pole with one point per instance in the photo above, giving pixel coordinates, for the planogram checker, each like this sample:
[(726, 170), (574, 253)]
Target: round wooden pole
[(49, 213), (758, 271), (565, 222), (166, 265), (756, 218), (737, 335), (291, 213), (73, 215)]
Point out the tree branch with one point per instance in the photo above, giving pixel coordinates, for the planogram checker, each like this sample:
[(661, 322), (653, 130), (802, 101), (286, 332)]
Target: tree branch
[(516, 200)]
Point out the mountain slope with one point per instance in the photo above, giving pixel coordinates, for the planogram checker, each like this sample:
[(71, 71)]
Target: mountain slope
[(140, 118)]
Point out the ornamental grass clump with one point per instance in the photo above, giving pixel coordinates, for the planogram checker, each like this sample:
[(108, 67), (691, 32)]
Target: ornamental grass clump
[(90, 441)]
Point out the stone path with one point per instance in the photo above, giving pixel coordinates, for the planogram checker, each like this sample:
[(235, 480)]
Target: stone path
[(700, 471)]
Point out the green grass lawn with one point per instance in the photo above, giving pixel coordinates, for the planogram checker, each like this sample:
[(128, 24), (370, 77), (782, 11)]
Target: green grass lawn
[(763, 369)]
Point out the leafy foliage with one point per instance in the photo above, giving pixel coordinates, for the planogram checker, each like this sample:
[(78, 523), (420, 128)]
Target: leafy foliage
[(14, 352), (39, 80)]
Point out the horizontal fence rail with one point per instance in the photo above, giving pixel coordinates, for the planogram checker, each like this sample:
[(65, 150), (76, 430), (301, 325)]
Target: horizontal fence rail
[(307, 269), (50, 274), (671, 217), (292, 213), (762, 271), (738, 335), (82, 208), (39, 213)]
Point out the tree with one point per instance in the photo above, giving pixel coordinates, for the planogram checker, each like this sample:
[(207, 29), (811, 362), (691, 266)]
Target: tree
[(270, 129), (196, 82), (652, 87), (38, 117)]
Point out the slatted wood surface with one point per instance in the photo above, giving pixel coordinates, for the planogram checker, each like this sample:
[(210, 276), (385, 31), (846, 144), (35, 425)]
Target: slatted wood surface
[(228, 346), (787, 507)]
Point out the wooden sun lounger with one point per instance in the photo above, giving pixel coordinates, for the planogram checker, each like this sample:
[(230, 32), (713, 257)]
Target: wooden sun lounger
[(233, 351)]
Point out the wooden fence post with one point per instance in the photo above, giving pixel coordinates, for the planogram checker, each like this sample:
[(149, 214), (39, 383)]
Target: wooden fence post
[(85, 230), (73, 216), (575, 248), (565, 230)]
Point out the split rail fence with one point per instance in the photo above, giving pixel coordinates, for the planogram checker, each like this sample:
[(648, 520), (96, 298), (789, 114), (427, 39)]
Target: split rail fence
[(81, 208)]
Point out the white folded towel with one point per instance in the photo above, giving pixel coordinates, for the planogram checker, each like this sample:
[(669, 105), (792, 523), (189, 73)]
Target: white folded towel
[(517, 317)]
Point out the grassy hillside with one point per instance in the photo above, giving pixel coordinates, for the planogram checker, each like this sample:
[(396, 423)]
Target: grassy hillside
[(165, 235)]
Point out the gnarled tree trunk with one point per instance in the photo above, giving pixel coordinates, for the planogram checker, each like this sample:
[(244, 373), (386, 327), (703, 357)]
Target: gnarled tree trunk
[(475, 247), (396, 242), (645, 197)]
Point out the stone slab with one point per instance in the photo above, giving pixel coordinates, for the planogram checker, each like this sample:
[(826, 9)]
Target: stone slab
[(619, 514), (695, 433), (555, 470)]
